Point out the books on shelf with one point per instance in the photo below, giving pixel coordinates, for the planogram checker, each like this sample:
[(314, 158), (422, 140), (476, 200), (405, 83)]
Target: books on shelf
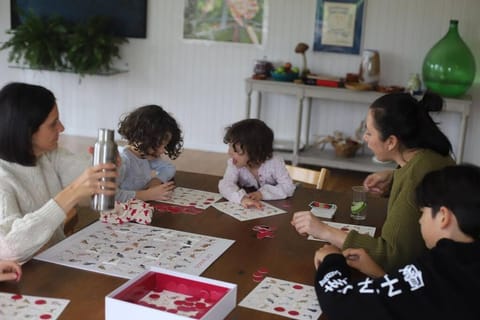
[(323, 80)]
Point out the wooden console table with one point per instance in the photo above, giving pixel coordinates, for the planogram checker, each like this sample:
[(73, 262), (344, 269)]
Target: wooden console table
[(327, 158)]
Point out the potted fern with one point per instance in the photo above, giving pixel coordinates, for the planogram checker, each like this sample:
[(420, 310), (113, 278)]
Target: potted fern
[(38, 43), (91, 48), (54, 44)]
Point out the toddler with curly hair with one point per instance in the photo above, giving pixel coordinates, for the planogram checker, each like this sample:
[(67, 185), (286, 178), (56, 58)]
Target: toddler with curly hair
[(150, 133)]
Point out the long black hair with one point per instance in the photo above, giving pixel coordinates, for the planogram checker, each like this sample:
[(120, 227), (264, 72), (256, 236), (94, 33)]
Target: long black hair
[(23, 108), (403, 116)]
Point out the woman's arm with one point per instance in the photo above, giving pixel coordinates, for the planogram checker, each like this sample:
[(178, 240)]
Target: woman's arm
[(307, 224)]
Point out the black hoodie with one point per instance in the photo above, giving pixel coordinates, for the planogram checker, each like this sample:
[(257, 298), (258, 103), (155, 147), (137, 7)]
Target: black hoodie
[(443, 284)]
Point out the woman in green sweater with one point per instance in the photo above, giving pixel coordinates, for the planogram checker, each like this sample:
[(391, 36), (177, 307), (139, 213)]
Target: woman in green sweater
[(399, 128)]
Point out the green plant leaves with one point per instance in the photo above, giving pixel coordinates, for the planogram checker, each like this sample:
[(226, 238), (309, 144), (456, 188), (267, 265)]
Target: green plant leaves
[(53, 44)]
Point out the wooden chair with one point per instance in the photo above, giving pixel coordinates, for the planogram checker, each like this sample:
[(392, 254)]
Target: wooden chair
[(309, 176)]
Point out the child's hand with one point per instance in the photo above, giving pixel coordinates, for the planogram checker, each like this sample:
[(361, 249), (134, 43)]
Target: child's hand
[(153, 182), (247, 202), (323, 252), (162, 191), (257, 195), (10, 270), (360, 260)]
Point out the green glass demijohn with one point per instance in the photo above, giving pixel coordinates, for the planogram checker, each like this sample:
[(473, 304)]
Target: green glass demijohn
[(449, 66)]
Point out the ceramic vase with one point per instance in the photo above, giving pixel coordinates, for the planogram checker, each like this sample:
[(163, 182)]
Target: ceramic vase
[(370, 67), (449, 66)]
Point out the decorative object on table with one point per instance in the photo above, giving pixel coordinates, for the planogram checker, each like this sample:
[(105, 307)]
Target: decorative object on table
[(351, 77), (301, 48), (449, 66), (323, 80), (53, 44), (352, 82), (338, 26), (369, 72), (262, 69), (414, 84), (389, 89), (345, 147), (359, 86), (285, 73)]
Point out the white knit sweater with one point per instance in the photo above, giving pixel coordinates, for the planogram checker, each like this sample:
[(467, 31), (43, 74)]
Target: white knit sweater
[(29, 217)]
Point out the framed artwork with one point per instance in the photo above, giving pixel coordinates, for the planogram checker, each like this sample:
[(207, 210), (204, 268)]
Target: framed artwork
[(338, 26), (224, 20)]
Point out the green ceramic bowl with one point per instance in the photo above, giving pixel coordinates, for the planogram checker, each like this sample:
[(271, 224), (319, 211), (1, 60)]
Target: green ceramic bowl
[(284, 76)]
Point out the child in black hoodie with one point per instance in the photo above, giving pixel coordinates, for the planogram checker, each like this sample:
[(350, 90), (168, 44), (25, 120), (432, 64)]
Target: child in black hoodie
[(444, 283)]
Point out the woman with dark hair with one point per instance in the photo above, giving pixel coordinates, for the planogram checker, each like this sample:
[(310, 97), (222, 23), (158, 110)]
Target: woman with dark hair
[(400, 129), (39, 183)]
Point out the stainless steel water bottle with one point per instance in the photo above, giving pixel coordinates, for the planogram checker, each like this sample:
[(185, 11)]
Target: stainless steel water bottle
[(105, 151)]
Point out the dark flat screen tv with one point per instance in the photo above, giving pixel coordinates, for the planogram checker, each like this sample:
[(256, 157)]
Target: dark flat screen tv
[(128, 17)]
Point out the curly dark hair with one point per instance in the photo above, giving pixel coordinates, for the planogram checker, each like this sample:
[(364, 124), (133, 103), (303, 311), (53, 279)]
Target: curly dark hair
[(252, 136), (147, 127)]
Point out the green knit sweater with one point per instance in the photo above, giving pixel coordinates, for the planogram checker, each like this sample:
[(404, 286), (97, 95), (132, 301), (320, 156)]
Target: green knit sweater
[(401, 241)]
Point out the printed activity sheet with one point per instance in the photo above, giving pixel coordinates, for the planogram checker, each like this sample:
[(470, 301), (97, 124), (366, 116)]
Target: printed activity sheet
[(284, 298), (126, 250), (241, 213), (192, 198), (347, 227), (17, 306)]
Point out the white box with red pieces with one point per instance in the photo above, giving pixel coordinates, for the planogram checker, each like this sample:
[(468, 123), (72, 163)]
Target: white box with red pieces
[(165, 294)]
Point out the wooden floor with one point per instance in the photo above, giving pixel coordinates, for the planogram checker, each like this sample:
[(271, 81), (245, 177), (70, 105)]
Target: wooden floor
[(214, 163)]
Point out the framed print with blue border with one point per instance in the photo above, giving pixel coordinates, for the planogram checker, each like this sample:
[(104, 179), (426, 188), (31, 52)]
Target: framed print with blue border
[(338, 26)]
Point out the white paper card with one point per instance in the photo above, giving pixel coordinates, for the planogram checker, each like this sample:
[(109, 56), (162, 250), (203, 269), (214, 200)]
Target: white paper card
[(128, 249)]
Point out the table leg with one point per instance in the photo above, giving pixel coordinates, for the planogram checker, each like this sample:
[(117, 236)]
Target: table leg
[(249, 101), (259, 105), (296, 143), (461, 142), (307, 124)]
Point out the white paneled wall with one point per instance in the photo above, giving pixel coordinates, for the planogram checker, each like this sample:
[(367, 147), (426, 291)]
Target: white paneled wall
[(202, 84)]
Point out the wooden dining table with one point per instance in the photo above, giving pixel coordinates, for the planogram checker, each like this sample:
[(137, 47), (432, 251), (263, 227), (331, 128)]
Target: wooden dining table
[(287, 256)]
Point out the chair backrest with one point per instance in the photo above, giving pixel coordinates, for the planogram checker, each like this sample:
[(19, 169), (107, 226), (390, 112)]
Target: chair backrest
[(315, 177)]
